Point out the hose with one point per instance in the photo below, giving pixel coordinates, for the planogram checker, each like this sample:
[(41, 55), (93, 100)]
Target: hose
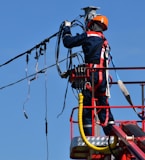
[(105, 149)]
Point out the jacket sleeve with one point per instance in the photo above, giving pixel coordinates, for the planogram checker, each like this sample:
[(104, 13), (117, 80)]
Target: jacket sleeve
[(70, 41)]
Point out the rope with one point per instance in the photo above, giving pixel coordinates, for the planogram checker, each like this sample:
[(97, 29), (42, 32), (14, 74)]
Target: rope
[(124, 90)]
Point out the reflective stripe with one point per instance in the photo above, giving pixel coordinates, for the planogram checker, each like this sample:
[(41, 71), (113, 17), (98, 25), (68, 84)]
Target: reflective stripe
[(87, 125), (95, 35), (102, 52)]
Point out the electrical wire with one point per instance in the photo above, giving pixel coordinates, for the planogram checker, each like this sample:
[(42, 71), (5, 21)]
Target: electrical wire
[(30, 50), (39, 44), (31, 75), (46, 105), (28, 83), (69, 64), (64, 103), (74, 23), (37, 56), (58, 48)]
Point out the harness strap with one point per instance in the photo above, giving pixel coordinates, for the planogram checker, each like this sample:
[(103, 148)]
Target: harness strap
[(102, 59), (99, 81), (88, 84), (100, 74)]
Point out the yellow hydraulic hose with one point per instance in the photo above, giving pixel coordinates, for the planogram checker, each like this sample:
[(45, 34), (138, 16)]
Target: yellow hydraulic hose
[(99, 149)]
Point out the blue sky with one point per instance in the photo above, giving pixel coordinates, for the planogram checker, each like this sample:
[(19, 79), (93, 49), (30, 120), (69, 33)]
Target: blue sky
[(26, 23)]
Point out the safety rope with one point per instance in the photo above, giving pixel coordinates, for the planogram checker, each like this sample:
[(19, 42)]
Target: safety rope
[(124, 90)]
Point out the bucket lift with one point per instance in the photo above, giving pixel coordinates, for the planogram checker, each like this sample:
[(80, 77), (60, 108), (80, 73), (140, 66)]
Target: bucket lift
[(126, 142)]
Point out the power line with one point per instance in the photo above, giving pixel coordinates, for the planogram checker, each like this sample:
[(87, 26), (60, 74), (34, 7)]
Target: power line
[(32, 75), (43, 43)]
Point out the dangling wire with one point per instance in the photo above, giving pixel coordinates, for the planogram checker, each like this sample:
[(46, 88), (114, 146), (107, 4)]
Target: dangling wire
[(64, 100), (69, 66), (46, 101), (28, 81), (69, 60), (37, 64), (59, 36)]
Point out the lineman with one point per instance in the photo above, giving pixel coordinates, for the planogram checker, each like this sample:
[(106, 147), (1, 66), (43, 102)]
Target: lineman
[(94, 46)]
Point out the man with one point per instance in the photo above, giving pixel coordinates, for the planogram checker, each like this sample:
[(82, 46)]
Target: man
[(94, 46)]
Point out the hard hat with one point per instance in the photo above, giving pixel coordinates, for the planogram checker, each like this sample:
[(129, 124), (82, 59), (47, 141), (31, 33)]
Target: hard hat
[(103, 20)]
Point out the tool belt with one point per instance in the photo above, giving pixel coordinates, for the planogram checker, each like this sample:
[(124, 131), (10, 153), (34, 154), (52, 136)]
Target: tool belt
[(80, 75)]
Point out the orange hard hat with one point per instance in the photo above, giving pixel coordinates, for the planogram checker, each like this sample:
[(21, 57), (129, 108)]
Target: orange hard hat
[(102, 20)]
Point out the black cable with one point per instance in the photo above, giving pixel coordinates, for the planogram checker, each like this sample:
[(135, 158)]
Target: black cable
[(69, 60), (74, 23), (31, 75), (80, 24), (12, 59), (68, 67), (30, 50), (111, 150), (46, 105), (57, 52), (64, 100)]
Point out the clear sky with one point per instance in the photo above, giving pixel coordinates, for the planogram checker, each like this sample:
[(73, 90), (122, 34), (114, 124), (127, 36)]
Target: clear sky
[(25, 24)]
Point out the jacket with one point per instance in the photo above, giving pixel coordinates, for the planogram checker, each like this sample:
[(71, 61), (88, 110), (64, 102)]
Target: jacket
[(90, 41)]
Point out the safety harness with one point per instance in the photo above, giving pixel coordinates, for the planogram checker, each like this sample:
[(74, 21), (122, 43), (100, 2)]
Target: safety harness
[(103, 62), (79, 76)]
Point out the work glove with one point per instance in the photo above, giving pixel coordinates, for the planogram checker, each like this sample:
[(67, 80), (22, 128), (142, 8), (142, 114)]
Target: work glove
[(67, 23)]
